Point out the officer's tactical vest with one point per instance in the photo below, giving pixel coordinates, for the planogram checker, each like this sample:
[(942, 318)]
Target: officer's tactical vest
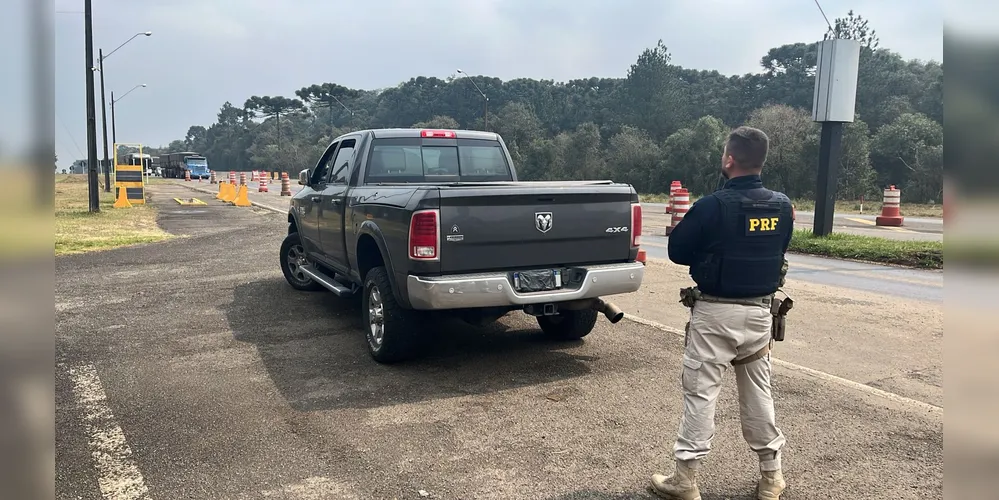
[(747, 261)]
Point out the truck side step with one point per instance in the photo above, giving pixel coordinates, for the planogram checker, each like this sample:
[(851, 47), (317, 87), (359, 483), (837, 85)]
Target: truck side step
[(327, 282)]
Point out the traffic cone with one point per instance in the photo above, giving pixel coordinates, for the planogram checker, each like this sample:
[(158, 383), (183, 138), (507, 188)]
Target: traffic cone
[(262, 186), (242, 199), (672, 190), (187, 175), (285, 184), (212, 178), (232, 177), (121, 201), (681, 203), (890, 215), (242, 178)]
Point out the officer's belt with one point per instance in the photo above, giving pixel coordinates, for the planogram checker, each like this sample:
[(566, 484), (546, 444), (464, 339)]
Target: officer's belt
[(763, 301)]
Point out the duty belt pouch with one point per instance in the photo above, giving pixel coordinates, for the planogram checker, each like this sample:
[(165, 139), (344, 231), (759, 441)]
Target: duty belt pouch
[(779, 309)]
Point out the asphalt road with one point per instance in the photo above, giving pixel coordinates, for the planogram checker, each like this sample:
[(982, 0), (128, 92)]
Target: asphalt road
[(913, 228), (212, 378)]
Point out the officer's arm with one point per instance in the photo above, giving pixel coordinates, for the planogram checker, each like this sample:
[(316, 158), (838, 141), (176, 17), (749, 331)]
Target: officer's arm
[(687, 238), (787, 243)]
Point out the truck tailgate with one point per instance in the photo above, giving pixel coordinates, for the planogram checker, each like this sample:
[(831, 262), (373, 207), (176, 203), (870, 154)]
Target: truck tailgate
[(522, 226)]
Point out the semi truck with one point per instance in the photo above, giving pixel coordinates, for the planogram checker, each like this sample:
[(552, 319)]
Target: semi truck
[(175, 164)]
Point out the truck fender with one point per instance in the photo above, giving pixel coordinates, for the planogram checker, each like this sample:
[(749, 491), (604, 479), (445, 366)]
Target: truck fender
[(371, 229), (292, 220)]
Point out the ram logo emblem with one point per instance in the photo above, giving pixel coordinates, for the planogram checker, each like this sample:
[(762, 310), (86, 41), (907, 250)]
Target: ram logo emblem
[(543, 221)]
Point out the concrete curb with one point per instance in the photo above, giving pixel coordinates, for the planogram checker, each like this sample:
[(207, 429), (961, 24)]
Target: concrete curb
[(254, 203)]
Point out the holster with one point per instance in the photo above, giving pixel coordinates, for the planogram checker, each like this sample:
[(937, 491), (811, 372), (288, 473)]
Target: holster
[(779, 309)]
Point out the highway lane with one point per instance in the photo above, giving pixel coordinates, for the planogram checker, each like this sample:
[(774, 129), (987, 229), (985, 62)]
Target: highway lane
[(913, 228), (895, 281)]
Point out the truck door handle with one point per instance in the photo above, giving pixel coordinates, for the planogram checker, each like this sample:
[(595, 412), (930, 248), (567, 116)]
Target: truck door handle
[(316, 199)]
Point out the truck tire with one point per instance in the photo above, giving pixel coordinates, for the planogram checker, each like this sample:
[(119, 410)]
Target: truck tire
[(292, 256), (568, 325), (392, 332)]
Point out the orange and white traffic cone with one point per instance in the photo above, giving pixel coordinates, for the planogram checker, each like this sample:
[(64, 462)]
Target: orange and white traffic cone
[(681, 203), (187, 175), (232, 177), (285, 184), (242, 178), (672, 190), (890, 215), (212, 178), (262, 186)]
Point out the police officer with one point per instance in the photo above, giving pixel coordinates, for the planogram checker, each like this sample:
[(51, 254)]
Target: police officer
[(734, 241)]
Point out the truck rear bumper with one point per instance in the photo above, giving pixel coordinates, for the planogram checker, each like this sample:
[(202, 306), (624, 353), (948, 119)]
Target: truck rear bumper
[(496, 289)]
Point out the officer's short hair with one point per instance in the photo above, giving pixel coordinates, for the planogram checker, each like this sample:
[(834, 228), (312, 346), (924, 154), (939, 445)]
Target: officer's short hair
[(748, 147)]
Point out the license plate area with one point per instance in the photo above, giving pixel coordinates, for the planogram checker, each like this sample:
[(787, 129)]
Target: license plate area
[(537, 280)]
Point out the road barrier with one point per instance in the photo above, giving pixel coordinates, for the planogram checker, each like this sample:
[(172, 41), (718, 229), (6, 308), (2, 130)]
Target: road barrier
[(212, 179), (285, 184), (681, 203), (890, 215), (232, 177), (673, 187), (262, 186), (230, 193), (129, 178), (242, 199), (242, 178), (222, 190)]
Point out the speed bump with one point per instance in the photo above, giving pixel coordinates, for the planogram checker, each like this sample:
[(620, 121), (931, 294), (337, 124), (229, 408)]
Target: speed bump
[(189, 201)]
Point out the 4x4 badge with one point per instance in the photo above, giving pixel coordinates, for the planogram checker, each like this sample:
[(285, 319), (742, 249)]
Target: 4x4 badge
[(543, 221)]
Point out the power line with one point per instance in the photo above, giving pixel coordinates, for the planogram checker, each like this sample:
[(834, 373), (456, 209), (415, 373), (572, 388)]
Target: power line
[(70, 134), (824, 15)]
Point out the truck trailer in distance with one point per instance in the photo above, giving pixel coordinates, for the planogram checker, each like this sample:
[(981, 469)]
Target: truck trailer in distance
[(175, 164)]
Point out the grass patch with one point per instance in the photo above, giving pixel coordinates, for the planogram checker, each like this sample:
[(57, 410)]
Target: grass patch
[(77, 230), (921, 254)]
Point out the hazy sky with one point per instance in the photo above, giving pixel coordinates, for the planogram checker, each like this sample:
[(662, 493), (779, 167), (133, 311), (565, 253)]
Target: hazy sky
[(205, 52)]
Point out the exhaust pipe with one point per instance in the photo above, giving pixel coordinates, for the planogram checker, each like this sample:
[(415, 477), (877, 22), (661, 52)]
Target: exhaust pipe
[(611, 311)]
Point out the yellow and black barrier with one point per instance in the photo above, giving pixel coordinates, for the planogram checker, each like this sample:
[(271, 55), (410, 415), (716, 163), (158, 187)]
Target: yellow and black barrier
[(129, 178)]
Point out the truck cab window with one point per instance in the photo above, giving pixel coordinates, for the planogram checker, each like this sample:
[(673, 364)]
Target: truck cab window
[(323, 168), (341, 165)]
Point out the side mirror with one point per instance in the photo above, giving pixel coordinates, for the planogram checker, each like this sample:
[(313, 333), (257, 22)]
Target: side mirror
[(303, 177)]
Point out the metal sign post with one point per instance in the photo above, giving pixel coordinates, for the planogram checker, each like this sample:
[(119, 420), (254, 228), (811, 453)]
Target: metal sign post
[(833, 104)]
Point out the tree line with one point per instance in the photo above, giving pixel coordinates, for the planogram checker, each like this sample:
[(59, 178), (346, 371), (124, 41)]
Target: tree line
[(661, 122)]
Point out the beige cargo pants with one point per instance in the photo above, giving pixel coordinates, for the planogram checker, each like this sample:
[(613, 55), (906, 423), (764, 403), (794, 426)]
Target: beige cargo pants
[(718, 334)]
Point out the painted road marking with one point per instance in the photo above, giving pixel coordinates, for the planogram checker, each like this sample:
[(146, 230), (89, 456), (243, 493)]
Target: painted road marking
[(117, 474), (827, 377), (862, 221)]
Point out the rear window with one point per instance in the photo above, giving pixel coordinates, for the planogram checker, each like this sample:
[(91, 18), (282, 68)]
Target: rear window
[(428, 160)]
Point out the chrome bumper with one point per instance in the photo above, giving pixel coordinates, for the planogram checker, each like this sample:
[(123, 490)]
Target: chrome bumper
[(496, 290)]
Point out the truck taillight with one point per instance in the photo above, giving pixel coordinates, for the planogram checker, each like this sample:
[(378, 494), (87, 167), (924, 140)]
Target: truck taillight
[(636, 224), (425, 235), (440, 134)]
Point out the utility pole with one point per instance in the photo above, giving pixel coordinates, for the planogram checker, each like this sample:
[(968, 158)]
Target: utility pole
[(104, 124), (114, 139), (95, 200)]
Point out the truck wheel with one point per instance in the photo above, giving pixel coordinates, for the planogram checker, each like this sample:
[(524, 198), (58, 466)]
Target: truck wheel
[(568, 325), (292, 257), (392, 332)]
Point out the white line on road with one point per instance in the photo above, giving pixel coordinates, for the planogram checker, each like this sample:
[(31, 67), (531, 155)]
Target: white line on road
[(117, 474), (826, 377)]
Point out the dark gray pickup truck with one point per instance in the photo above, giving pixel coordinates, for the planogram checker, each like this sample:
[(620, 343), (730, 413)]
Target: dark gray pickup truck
[(436, 220)]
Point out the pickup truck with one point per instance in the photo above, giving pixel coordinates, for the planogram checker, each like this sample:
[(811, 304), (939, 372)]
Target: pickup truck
[(420, 221)]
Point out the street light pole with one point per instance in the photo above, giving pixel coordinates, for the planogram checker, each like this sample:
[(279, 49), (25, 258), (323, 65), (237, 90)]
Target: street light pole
[(113, 100), (95, 203), (104, 124)]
